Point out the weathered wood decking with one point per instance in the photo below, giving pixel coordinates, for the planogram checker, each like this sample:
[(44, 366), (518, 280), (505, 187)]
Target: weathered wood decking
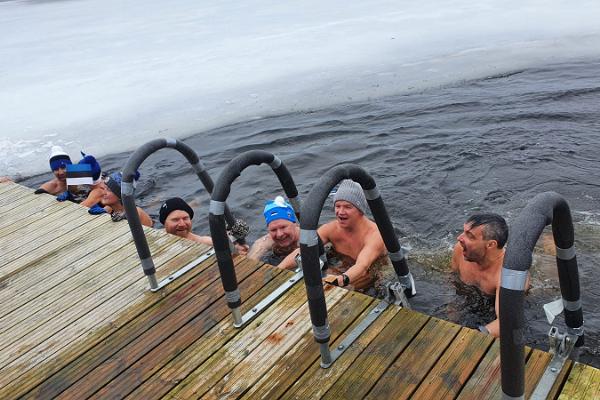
[(76, 321)]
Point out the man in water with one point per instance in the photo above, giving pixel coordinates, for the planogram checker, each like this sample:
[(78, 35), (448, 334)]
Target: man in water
[(58, 164), (282, 237), (478, 257), (354, 237), (176, 215)]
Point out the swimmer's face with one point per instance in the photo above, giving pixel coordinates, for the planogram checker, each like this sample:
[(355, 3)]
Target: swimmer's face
[(108, 197), (60, 174), (283, 232), (474, 245), (346, 214), (178, 223)]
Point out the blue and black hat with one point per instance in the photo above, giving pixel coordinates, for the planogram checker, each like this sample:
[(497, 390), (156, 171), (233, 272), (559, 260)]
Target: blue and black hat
[(58, 158), (94, 166), (279, 209)]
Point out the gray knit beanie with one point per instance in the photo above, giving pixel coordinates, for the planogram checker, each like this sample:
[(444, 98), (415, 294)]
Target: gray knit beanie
[(351, 192)]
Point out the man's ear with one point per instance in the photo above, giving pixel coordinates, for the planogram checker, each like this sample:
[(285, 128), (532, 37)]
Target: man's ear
[(492, 244)]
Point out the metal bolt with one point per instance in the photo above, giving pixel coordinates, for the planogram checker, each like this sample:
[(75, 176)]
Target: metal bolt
[(254, 309), (341, 347), (376, 311), (553, 369)]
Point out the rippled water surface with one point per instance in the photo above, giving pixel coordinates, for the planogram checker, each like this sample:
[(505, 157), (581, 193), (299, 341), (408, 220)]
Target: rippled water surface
[(437, 156)]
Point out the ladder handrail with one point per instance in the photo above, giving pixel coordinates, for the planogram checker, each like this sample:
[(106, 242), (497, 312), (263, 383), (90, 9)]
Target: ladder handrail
[(311, 211), (217, 223), (544, 209), (134, 161)]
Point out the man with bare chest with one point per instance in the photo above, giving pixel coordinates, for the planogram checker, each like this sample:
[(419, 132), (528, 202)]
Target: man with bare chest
[(353, 235), (478, 257)]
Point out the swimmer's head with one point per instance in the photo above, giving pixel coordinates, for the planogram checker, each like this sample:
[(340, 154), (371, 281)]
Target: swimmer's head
[(279, 209), (351, 192), (59, 159)]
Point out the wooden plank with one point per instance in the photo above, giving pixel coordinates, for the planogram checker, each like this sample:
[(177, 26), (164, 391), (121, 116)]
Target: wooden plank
[(25, 214), (63, 306), (453, 369), (163, 354), (270, 351), (560, 380), (378, 356), (293, 305), (13, 199), (583, 383), (317, 381), (48, 238), (403, 377), (305, 351), (193, 346), (485, 381), (62, 269), (37, 225), (79, 359), (534, 369), (112, 306)]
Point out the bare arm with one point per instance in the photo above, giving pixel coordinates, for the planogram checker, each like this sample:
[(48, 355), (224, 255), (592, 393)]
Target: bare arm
[(289, 262), (260, 247), (145, 218), (494, 326), (371, 251), (93, 198)]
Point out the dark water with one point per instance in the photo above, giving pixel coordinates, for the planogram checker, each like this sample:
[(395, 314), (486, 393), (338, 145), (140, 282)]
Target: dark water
[(437, 156)]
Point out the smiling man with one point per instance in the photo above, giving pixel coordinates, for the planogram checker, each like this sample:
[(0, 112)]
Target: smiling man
[(58, 164), (353, 235), (176, 215), (282, 237), (478, 256)]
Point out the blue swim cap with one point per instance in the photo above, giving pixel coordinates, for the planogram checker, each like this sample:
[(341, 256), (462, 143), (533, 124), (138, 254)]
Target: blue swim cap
[(58, 158), (279, 209)]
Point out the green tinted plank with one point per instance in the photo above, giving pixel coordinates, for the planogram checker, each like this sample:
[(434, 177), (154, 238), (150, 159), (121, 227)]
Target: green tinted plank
[(453, 369), (317, 381), (583, 383), (199, 345), (403, 377), (305, 351), (378, 356), (292, 305)]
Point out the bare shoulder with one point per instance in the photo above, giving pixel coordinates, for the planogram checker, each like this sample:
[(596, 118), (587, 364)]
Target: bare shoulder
[(456, 257), (326, 231), (200, 239), (51, 187)]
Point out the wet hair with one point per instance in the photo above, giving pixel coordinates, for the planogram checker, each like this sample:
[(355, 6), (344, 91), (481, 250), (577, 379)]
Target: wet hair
[(494, 227)]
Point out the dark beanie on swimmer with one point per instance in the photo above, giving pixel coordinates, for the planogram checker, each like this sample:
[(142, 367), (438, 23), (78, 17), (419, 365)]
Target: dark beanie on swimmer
[(171, 205)]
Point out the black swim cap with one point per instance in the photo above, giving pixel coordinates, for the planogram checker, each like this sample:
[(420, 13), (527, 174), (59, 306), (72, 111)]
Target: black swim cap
[(171, 205)]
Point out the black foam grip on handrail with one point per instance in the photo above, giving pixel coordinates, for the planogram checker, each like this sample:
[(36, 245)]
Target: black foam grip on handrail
[(219, 195), (544, 209)]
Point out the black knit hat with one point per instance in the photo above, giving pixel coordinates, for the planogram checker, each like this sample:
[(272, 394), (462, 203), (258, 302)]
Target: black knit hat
[(171, 205)]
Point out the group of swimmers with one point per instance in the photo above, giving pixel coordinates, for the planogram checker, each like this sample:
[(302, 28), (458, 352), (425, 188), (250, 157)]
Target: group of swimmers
[(477, 256)]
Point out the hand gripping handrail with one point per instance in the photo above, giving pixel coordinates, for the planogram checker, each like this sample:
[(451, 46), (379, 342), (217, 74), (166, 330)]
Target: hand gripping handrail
[(311, 211), (127, 196), (544, 209), (219, 235)]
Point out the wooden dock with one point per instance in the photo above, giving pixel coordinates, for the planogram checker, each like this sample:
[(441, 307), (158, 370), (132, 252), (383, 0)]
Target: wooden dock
[(77, 322)]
